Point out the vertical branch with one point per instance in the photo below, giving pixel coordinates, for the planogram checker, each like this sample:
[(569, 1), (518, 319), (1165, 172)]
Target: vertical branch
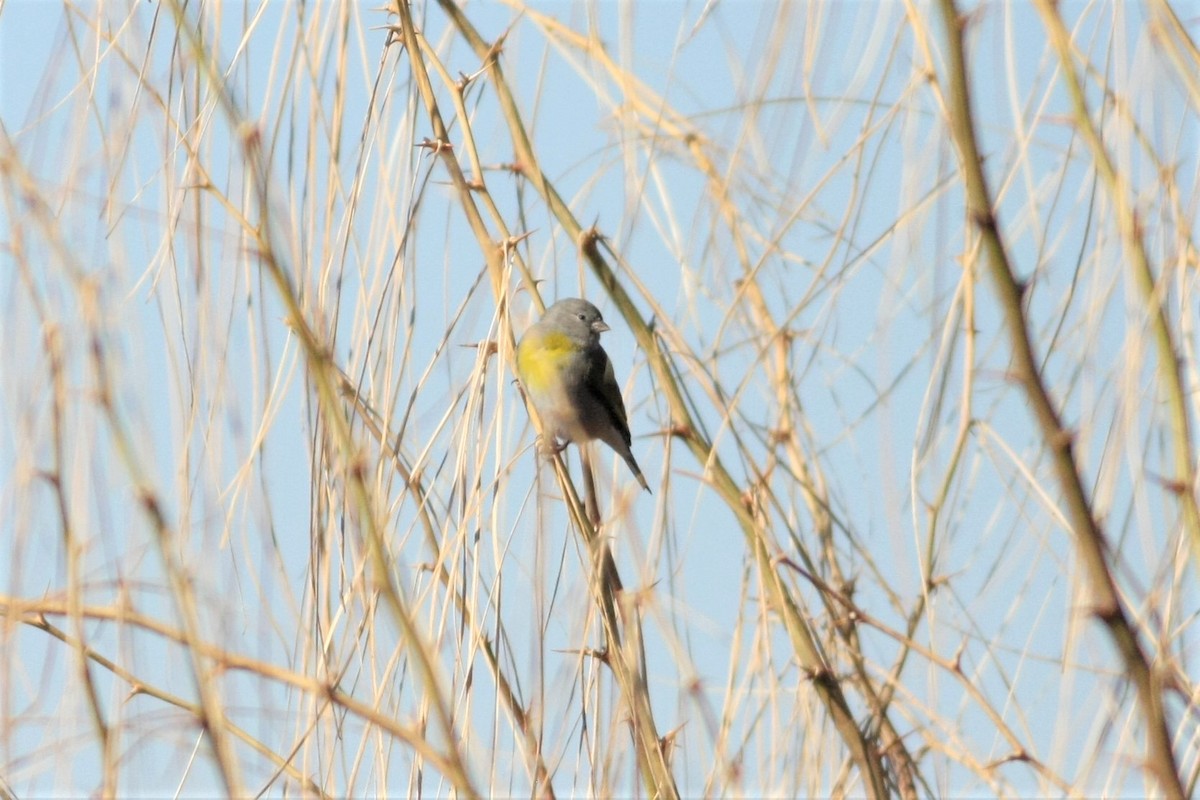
[(325, 375), (210, 711), (1153, 290), (1089, 538), (55, 476)]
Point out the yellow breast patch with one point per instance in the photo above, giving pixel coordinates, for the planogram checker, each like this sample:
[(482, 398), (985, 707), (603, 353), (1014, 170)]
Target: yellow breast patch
[(540, 360)]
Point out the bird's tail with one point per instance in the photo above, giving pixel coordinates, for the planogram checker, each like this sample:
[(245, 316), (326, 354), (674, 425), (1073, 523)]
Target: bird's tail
[(637, 472)]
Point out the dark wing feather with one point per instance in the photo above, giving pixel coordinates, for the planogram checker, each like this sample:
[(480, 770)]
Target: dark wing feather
[(602, 384)]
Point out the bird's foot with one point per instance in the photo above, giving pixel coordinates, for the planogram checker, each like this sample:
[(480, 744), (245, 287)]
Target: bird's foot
[(550, 446)]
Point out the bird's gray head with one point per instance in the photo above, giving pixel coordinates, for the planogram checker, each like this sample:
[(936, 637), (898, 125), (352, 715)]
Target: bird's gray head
[(579, 319)]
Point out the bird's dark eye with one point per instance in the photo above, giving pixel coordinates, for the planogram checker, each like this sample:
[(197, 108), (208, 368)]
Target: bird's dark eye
[(583, 317)]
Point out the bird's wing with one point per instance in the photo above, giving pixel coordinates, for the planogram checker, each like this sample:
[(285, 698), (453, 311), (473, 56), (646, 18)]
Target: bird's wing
[(603, 385)]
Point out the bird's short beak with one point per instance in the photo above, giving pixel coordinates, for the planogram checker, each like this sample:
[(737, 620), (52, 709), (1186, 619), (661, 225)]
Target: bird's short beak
[(600, 326)]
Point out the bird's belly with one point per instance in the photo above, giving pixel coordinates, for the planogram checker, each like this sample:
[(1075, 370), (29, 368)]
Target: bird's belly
[(561, 416)]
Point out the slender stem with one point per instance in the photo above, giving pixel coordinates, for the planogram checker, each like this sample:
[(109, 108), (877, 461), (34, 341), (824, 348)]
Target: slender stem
[(1089, 538)]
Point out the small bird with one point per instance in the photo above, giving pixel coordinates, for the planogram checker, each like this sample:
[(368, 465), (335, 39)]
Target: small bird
[(569, 379)]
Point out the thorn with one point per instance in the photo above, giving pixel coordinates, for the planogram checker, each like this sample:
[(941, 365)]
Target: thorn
[(600, 654), (437, 146), (495, 50), (667, 740), (1175, 487), (1107, 614), (818, 674), (956, 661), (251, 134), (1064, 438), (511, 242), (1019, 755), (588, 238), (984, 220), (489, 346), (680, 431), (395, 31), (464, 80), (748, 501)]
